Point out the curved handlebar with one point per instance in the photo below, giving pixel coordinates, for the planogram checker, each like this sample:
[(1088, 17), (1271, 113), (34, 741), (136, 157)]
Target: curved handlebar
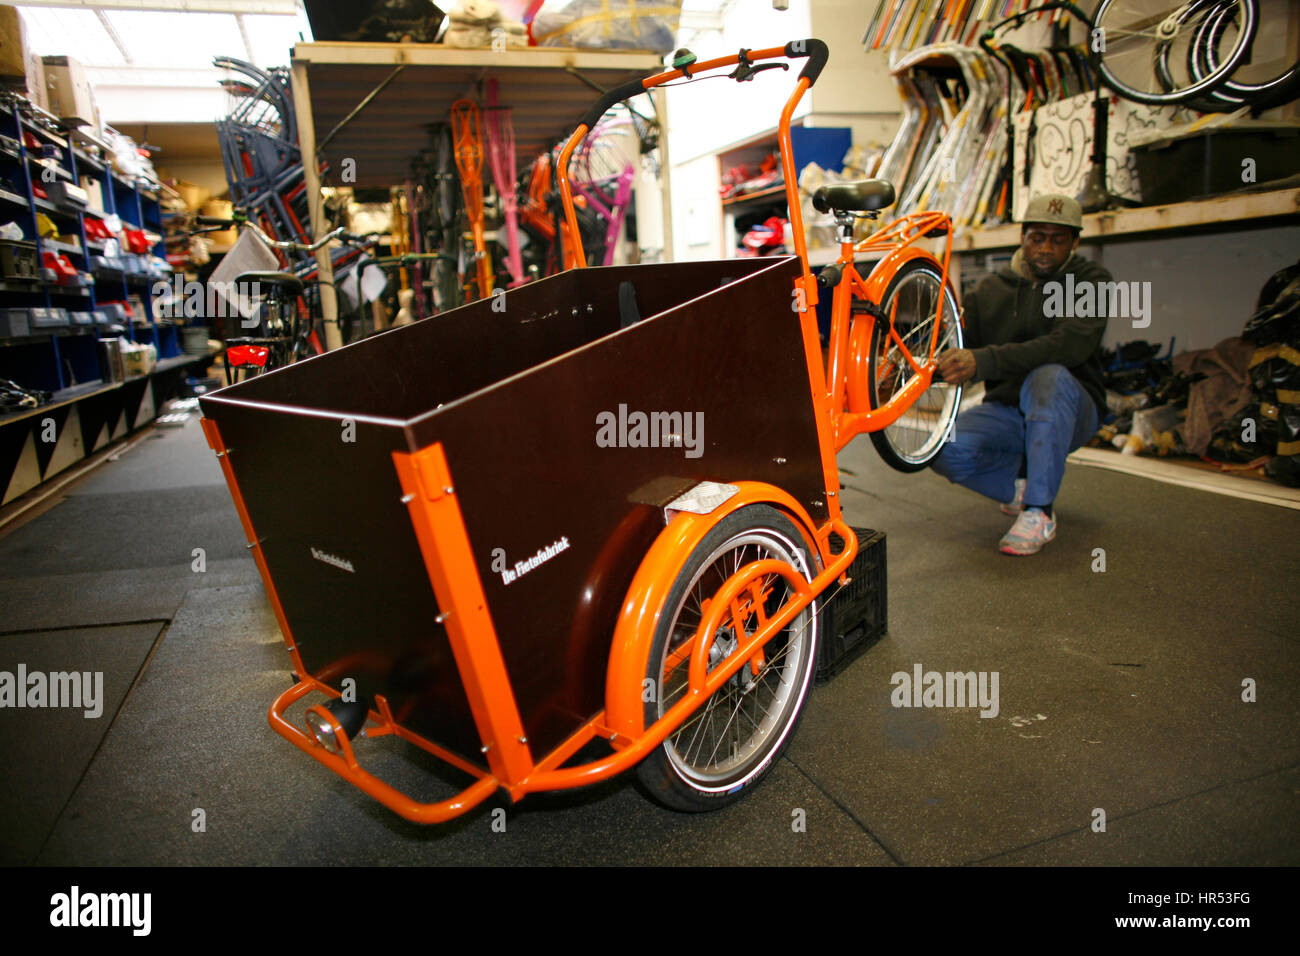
[(815, 50), (617, 95), (817, 54), (339, 233)]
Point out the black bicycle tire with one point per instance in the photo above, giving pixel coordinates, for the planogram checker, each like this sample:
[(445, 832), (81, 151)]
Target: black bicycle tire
[(1197, 89), (1234, 95), (880, 439), (1214, 101)]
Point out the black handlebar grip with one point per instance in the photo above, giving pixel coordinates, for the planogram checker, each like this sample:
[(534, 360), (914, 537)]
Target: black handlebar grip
[(816, 51), (213, 221), (830, 276), (617, 95)]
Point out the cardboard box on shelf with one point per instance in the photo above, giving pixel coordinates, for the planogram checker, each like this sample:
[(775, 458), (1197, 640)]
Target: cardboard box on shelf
[(220, 209), (94, 192), (194, 196), (36, 91), (138, 359), (71, 96), (13, 51)]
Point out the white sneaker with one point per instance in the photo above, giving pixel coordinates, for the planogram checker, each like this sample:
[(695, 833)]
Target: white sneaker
[(1032, 530), (1016, 504)]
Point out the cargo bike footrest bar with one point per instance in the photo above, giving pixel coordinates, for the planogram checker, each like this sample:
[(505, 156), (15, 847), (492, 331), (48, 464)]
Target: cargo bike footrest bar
[(344, 763)]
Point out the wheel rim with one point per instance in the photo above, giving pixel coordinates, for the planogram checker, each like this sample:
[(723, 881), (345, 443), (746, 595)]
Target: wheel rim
[(920, 430), (1250, 82), (1149, 46), (732, 736)]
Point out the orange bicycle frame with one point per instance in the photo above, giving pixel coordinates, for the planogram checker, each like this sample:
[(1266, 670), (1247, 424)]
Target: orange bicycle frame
[(844, 402), (850, 340), (469, 161)]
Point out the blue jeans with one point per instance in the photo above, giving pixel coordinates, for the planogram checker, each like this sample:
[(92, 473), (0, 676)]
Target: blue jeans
[(1055, 416)]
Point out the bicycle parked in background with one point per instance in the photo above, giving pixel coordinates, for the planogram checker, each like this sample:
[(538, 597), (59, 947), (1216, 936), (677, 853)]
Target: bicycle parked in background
[(273, 305)]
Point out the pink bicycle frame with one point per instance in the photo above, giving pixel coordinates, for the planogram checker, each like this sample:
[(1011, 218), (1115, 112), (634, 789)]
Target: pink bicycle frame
[(501, 152), (615, 214), (591, 190)]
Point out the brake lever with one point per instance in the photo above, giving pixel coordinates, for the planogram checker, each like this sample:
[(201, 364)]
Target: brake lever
[(745, 70)]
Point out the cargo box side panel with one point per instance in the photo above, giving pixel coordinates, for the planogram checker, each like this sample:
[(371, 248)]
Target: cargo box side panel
[(410, 370), (560, 513), (325, 502), (666, 285)]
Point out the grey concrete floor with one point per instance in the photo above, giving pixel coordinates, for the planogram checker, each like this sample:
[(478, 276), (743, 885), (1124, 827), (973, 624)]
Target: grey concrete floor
[(1120, 698)]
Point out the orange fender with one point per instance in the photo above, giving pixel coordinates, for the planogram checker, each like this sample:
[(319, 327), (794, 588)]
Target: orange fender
[(648, 595)]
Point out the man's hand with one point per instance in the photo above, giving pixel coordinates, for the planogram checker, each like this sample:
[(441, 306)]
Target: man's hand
[(956, 366)]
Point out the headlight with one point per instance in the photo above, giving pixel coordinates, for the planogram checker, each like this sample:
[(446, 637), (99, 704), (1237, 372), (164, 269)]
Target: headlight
[(351, 717)]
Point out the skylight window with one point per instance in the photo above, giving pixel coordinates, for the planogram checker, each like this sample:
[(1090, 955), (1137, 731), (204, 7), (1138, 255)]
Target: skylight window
[(145, 63), (154, 39)]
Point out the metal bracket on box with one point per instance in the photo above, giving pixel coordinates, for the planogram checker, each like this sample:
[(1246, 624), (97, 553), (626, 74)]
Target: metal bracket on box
[(700, 500)]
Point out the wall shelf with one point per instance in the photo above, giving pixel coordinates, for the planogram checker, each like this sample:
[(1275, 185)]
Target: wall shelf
[(66, 361), (1218, 212), (778, 189), (547, 88)]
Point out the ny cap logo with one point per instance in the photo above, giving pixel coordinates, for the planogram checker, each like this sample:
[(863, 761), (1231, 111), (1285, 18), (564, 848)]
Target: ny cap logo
[(1054, 206)]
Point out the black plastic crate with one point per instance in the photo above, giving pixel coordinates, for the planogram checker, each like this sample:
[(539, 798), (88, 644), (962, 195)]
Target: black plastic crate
[(48, 318), (858, 613), (14, 323), (18, 260), (1211, 162)]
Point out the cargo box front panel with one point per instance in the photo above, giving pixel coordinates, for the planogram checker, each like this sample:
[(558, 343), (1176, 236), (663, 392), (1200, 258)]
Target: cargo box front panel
[(559, 511), (325, 502)]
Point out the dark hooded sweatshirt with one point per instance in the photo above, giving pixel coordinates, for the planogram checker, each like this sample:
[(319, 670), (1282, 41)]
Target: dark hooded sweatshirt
[(1010, 332)]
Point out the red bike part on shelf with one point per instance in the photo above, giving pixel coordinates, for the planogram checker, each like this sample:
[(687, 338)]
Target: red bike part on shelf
[(60, 264), (248, 355)]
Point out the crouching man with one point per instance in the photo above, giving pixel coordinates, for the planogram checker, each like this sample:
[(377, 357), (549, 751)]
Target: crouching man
[(1041, 369)]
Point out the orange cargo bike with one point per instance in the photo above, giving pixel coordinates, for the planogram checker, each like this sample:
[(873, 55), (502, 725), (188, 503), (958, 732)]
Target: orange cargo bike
[(550, 536)]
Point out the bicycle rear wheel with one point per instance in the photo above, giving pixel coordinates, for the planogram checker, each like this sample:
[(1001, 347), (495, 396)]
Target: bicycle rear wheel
[(910, 307), (1148, 46)]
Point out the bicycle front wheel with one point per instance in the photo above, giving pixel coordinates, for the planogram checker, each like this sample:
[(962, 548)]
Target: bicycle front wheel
[(733, 739), (902, 337), (1147, 47)]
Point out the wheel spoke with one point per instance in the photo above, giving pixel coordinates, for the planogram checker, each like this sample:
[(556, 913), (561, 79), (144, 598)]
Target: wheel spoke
[(913, 438), (725, 738)]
